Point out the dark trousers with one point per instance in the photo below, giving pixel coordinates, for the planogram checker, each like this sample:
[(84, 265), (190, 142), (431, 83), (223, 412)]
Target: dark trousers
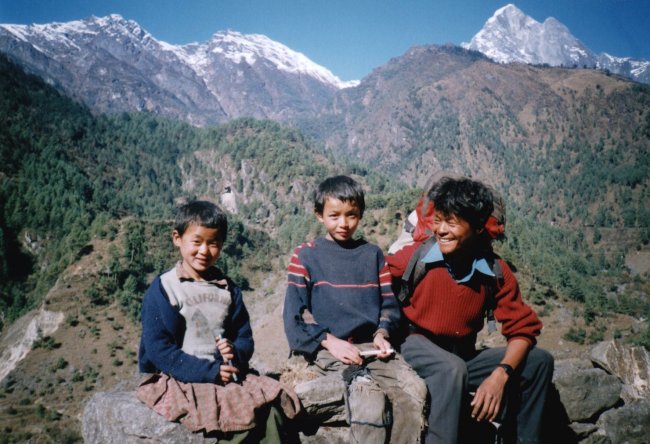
[(449, 378)]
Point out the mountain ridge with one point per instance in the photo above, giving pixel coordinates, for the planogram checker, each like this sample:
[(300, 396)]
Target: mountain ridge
[(114, 65)]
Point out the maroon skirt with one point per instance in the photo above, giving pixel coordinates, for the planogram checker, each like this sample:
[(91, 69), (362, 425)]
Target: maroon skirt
[(213, 407)]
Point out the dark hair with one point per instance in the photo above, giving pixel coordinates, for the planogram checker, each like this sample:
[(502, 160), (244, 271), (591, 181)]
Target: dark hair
[(468, 199), (342, 188), (203, 213)]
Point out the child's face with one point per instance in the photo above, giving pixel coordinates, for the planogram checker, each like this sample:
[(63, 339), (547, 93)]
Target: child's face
[(453, 233), (341, 219), (199, 247)]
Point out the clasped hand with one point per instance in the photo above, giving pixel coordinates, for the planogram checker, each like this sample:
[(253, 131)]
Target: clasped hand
[(227, 370)]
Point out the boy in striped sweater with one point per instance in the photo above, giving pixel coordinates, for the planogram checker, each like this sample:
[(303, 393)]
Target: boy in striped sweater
[(340, 314)]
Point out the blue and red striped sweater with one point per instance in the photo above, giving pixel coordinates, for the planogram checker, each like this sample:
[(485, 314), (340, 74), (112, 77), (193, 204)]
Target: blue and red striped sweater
[(346, 288)]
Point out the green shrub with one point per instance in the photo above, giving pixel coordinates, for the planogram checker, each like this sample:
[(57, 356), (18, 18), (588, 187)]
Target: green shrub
[(575, 335)]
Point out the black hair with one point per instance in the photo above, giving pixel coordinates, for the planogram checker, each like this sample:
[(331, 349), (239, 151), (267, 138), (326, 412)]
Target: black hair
[(343, 188), (203, 213), (468, 199)]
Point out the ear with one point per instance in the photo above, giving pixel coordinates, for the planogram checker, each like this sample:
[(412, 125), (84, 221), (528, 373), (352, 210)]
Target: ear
[(319, 216), (176, 238)]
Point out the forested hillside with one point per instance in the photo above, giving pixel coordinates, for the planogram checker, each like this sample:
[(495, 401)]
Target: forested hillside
[(69, 176), (569, 145)]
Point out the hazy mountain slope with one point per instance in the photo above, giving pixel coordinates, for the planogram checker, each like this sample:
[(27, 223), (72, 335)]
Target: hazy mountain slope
[(112, 64), (66, 173), (512, 36), (536, 132)]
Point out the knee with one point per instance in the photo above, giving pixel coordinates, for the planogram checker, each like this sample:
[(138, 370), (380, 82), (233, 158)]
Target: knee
[(367, 402), (456, 368), (414, 386)]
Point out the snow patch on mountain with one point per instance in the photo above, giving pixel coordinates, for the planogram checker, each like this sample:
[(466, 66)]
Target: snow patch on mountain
[(512, 36), (232, 45)]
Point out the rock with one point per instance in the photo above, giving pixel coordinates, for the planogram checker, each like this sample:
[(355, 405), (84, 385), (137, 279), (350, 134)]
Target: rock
[(582, 430), (585, 393), (322, 398), (19, 338), (327, 435), (629, 424), (630, 364), (596, 438), (118, 417), (580, 395)]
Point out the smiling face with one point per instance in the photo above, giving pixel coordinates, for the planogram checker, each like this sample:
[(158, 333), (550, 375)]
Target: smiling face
[(199, 247), (340, 218), (453, 233)]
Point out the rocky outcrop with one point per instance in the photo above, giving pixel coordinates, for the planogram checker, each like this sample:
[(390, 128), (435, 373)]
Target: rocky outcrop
[(120, 418), (20, 337), (605, 400), (585, 392), (630, 364), (628, 424), (586, 405)]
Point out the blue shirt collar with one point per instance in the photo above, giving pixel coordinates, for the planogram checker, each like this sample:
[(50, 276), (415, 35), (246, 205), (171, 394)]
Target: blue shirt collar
[(479, 264)]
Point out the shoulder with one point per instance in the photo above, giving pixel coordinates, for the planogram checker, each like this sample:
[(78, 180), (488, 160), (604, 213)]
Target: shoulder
[(156, 299), (304, 247), (373, 250), (370, 246), (157, 287), (500, 267)]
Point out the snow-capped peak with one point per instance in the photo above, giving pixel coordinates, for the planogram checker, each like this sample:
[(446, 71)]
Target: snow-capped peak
[(232, 45), (252, 47), (512, 36)]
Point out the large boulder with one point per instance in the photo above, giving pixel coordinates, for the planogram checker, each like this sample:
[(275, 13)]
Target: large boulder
[(629, 424), (585, 392), (630, 364), (120, 418)]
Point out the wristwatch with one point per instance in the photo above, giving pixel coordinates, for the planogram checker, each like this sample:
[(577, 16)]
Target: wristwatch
[(508, 368)]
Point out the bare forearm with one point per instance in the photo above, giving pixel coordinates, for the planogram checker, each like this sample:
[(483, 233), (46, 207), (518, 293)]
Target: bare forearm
[(515, 352)]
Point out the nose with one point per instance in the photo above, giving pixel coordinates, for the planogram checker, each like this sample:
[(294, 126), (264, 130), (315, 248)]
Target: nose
[(203, 248), (441, 227)]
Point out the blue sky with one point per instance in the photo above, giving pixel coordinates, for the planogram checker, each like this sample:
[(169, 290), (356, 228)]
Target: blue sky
[(351, 37)]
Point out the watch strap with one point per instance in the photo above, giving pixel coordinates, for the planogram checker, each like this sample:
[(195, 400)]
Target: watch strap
[(507, 367)]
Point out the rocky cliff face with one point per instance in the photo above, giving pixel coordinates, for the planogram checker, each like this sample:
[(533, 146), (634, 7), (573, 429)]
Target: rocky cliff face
[(113, 65)]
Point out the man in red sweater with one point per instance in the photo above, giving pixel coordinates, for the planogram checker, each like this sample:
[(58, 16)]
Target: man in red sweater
[(446, 311)]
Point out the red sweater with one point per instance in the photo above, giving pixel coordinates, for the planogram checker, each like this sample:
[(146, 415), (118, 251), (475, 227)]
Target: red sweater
[(443, 307)]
